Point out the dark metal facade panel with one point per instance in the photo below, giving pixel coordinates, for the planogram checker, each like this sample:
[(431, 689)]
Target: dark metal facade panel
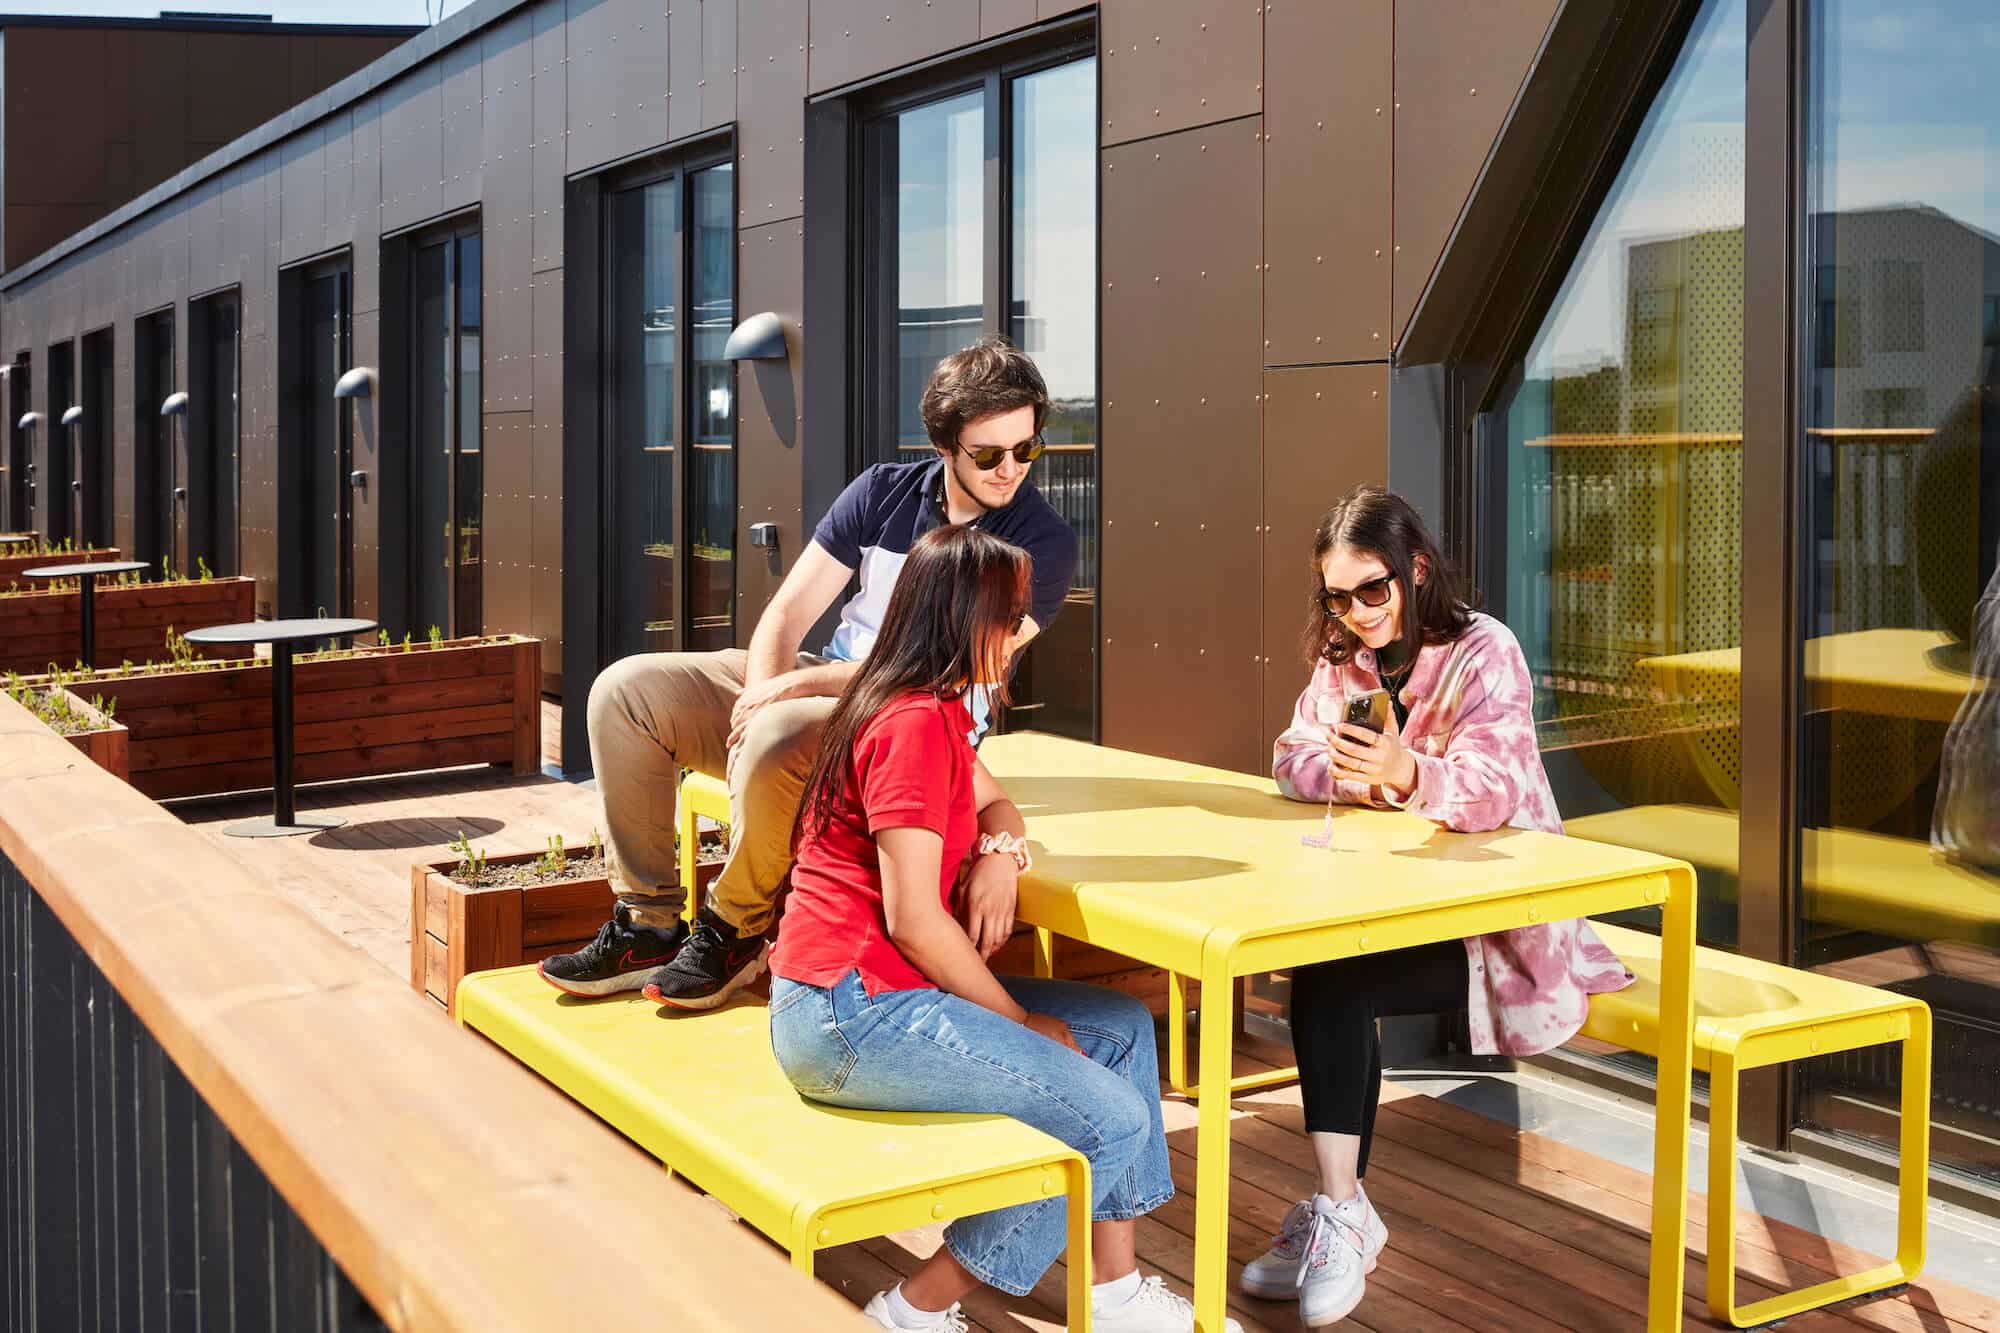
[(545, 462), (684, 75), (770, 424), (854, 39), (1458, 66), (718, 62), (618, 80), (1049, 9), (508, 336), (301, 196), (339, 225), (506, 214), (1003, 16), (548, 150), (507, 528), (1326, 430), (1170, 67), (258, 488), (770, 120), (1327, 130), (363, 229), (413, 147), (463, 138), (1182, 381)]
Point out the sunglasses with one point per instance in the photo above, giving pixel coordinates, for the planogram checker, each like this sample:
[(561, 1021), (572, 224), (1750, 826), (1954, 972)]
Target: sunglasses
[(1338, 601), (988, 457)]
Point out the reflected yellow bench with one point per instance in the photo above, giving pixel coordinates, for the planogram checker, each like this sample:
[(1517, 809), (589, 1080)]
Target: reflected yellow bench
[(700, 795), (1863, 881), (703, 1093), (1750, 1014)]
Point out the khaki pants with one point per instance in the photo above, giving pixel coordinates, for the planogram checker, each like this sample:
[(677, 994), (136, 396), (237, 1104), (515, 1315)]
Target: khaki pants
[(652, 715)]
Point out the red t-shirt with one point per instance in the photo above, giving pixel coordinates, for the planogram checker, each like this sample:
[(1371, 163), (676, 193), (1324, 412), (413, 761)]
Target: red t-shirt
[(911, 768)]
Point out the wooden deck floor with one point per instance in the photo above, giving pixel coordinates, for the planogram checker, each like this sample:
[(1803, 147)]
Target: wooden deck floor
[(1490, 1228)]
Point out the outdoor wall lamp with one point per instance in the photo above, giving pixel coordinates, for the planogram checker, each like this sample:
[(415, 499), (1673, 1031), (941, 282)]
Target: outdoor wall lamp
[(30, 420), (758, 338), (73, 415), (356, 383), (176, 405)]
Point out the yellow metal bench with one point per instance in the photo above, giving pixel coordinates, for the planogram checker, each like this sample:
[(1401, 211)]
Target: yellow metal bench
[(703, 1093), (1749, 1014), (700, 795)]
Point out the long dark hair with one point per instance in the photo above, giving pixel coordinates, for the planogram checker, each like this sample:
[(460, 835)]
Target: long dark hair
[(1388, 527), (958, 597)]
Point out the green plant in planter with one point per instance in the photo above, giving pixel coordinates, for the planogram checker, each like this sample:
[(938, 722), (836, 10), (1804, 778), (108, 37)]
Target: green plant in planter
[(437, 636), (553, 862), (471, 861)]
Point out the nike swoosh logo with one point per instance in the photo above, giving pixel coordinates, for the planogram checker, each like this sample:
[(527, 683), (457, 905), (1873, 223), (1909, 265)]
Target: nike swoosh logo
[(628, 962)]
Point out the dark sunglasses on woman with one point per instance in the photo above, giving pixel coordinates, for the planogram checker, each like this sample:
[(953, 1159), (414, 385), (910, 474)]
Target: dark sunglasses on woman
[(1375, 592), (987, 457)]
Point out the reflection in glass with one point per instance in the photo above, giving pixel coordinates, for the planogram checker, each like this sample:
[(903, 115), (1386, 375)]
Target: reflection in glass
[(467, 611), (1052, 315), (712, 457), (1615, 541), (940, 249), (430, 478), (1899, 876), (645, 259)]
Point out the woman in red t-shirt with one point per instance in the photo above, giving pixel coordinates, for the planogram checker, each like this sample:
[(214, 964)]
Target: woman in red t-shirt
[(881, 1000)]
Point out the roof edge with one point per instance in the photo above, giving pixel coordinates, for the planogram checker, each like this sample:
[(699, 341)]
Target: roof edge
[(380, 72)]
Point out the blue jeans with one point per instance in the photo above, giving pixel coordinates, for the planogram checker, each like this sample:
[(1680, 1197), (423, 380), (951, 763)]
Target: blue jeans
[(924, 1050)]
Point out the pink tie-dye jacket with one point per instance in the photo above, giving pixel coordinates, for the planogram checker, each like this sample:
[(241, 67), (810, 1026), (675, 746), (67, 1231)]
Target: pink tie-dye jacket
[(1472, 734)]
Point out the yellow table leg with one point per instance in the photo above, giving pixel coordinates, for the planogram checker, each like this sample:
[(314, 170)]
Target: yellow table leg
[(1079, 1247), (1177, 1019), (1723, 1083), (1211, 1203), (1045, 952), (1668, 1265), (1914, 1161)]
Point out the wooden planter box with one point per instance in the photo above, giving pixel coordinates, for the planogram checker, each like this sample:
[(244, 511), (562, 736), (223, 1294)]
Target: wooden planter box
[(456, 928), (41, 627), (366, 714), (106, 744), (12, 566)]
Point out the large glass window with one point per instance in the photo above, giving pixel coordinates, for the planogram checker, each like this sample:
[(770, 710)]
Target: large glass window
[(215, 424), (96, 374), (1613, 544), (981, 217), (20, 494), (1899, 857), (156, 440), (445, 480), (65, 490), (670, 413)]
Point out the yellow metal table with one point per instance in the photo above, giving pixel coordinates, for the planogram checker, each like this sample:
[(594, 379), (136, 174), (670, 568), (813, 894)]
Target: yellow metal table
[(1200, 871)]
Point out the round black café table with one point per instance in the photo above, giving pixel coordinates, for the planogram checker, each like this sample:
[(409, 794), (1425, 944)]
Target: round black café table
[(86, 604), (283, 636)]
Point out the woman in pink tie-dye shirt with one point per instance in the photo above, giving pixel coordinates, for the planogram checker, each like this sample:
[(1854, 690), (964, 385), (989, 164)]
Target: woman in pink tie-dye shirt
[(1389, 612)]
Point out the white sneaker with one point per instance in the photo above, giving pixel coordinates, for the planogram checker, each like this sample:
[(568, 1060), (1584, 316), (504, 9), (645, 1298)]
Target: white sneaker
[(878, 1310), (1274, 1275), (1152, 1309), (1331, 1280)]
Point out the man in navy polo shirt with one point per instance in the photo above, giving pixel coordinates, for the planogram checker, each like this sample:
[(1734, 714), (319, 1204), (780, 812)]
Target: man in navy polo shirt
[(755, 717)]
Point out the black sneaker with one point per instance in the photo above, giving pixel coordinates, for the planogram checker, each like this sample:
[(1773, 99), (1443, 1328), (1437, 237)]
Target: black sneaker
[(622, 957), (713, 965)]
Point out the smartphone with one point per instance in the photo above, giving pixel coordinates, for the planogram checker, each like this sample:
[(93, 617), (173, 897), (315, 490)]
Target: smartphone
[(1368, 710)]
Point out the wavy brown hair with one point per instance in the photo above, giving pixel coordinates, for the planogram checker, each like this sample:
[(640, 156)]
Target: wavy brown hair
[(1388, 527), (989, 377), (960, 595)]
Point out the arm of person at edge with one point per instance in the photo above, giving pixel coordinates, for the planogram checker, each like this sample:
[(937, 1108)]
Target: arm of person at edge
[(772, 672), (932, 939), (992, 880)]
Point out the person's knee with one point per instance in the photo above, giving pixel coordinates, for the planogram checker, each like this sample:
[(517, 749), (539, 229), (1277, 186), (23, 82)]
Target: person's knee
[(784, 736), (1124, 1120), (616, 688)]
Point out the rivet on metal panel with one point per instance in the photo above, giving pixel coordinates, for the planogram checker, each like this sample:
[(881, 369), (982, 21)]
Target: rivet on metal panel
[(1048, 1184), (1156, 647), (825, 1235), (1361, 943), (1319, 259), (1475, 92), (1203, 527), (1316, 396), (1374, 393)]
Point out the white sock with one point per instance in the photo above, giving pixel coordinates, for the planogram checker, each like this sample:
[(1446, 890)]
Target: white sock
[(1110, 1295), (907, 1315)]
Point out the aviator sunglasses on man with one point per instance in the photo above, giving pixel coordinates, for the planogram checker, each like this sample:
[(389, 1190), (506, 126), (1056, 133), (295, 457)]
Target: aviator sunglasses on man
[(987, 457), (1375, 592)]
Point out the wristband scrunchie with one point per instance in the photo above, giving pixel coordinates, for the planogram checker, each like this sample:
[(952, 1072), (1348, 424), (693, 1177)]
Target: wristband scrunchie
[(1007, 845)]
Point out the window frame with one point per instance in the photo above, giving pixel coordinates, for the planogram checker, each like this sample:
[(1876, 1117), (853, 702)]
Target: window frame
[(680, 167), (449, 232)]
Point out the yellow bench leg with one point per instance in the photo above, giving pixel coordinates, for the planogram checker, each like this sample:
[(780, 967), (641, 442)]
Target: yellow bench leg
[(690, 845), (1912, 1184), (1045, 952), (1078, 1287)]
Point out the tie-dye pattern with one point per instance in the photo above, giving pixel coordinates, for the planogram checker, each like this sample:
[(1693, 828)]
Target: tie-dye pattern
[(1472, 734)]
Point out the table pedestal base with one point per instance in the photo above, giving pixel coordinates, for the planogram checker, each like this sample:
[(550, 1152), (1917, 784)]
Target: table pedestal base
[(269, 827)]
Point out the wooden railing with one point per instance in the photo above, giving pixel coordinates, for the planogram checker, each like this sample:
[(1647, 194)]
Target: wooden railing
[(451, 1188)]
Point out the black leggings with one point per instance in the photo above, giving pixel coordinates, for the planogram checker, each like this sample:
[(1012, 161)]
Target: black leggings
[(1334, 1008)]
